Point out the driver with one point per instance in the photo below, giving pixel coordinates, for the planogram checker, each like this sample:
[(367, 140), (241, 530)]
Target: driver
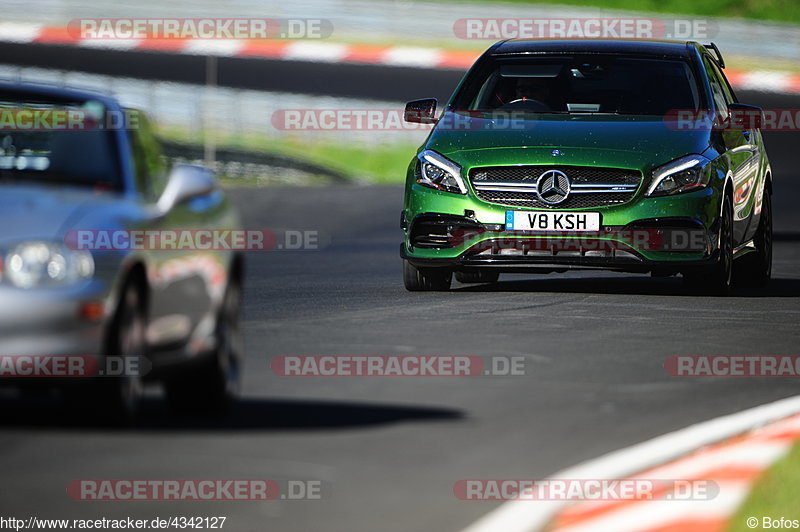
[(534, 90)]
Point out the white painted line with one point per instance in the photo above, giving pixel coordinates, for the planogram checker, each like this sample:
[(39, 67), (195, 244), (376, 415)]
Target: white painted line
[(412, 57), (765, 80), (656, 514), (110, 44), (746, 454), (527, 516), (19, 32), (313, 51), (790, 425), (218, 47)]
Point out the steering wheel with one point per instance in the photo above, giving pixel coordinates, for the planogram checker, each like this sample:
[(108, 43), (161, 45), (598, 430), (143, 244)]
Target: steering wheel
[(533, 105)]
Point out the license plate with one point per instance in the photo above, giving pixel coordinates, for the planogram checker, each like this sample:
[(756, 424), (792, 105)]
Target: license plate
[(552, 221)]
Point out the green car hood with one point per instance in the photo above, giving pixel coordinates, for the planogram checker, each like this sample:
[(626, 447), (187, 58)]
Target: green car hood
[(636, 142)]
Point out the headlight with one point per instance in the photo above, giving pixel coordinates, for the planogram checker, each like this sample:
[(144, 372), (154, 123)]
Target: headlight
[(33, 264), (681, 175), (440, 173)]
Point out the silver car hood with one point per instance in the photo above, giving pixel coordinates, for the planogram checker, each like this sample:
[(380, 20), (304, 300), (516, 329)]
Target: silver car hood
[(45, 212)]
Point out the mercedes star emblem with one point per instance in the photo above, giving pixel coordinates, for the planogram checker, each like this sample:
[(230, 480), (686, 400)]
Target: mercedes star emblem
[(553, 187)]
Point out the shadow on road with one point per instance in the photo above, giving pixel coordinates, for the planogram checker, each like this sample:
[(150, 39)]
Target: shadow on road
[(247, 415), (639, 285), (787, 236)]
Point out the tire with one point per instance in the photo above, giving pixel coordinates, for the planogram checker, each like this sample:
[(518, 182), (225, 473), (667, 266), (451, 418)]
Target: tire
[(117, 399), (214, 384), (755, 268), (426, 279), (717, 279), (480, 276)]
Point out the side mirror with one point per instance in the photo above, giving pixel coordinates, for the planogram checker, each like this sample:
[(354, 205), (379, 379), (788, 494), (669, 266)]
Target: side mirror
[(186, 182), (744, 117), (421, 111)]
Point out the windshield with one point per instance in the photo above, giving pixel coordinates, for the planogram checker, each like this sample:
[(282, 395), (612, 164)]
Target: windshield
[(587, 84), (56, 143)]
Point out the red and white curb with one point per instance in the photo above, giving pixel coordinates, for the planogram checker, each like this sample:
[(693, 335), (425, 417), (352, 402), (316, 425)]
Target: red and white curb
[(307, 50), (731, 451), (327, 52), (733, 466)]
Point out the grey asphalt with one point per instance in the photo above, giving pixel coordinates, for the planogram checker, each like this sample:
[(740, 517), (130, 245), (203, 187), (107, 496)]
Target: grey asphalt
[(389, 450)]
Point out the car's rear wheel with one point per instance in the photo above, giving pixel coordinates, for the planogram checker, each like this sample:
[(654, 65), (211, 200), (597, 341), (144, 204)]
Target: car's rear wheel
[(755, 268), (717, 279), (215, 383), (426, 279), (479, 276)]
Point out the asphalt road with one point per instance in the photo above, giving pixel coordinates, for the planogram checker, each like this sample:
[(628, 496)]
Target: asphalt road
[(388, 450)]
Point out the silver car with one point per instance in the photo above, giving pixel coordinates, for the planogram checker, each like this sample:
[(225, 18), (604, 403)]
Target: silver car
[(174, 310)]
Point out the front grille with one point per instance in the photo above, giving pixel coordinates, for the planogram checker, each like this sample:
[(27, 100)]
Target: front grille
[(591, 187)]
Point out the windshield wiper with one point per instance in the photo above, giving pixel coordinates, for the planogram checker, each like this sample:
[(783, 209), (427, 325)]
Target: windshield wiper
[(593, 112)]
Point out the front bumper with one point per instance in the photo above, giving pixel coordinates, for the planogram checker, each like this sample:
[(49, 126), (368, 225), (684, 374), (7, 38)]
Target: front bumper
[(462, 232), (48, 323), (542, 263)]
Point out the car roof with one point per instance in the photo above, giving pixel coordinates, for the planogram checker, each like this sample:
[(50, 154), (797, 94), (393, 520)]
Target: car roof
[(594, 46), (35, 91)]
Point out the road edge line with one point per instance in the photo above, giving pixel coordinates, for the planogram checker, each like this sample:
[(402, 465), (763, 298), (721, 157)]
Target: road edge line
[(528, 516)]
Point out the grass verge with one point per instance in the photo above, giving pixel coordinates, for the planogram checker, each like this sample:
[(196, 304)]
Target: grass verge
[(374, 163), (775, 10), (775, 495)]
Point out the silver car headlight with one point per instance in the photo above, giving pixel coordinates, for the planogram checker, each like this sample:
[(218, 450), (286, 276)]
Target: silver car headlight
[(439, 172), (34, 264), (681, 175)]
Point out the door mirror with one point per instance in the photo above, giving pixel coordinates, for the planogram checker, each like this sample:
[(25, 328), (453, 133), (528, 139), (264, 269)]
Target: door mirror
[(421, 111), (744, 117), (186, 182)]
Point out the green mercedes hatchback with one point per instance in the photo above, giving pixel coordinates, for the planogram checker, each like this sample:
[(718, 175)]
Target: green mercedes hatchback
[(631, 156)]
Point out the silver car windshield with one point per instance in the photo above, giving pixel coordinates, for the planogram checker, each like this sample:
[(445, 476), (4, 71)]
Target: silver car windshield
[(56, 143)]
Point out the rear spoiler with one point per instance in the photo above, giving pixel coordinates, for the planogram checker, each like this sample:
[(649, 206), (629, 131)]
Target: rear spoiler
[(713, 47)]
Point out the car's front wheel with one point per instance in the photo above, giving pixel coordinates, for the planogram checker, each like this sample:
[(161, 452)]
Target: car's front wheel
[(124, 393), (117, 398), (755, 268), (426, 279), (717, 279)]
